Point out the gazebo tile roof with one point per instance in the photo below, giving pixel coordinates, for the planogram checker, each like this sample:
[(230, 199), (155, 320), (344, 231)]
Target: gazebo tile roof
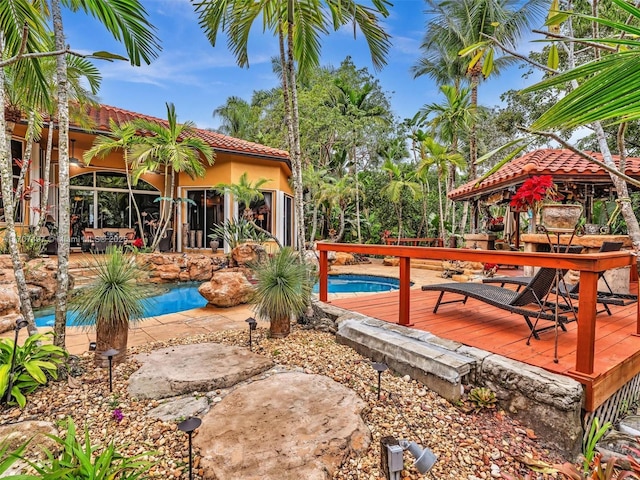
[(218, 141), (556, 162)]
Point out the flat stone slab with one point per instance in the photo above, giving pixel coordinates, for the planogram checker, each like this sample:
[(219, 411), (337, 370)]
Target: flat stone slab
[(287, 426), (173, 371), (179, 408)]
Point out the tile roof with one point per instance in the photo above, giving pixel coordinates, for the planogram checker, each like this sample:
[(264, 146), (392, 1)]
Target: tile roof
[(103, 113), (559, 163)]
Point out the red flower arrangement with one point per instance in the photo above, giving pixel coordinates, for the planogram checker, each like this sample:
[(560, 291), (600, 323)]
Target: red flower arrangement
[(138, 243), (533, 192), (496, 221)]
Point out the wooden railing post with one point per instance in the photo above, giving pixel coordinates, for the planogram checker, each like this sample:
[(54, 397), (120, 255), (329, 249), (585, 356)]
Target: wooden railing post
[(324, 271), (405, 285), (585, 348)]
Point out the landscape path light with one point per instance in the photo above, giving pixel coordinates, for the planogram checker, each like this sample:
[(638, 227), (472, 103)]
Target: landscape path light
[(252, 326), (109, 354), (188, 426), (379, 367), (20, 324)]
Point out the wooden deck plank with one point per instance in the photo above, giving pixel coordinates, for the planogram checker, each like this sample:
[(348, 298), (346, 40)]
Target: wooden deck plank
[(477, 324)]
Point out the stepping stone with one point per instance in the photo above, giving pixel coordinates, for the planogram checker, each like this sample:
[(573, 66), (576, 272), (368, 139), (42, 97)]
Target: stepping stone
[(173, 371), (287, 426), (179, 408)]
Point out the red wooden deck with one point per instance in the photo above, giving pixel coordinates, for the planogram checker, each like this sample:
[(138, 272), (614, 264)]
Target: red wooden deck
[(617, 348)]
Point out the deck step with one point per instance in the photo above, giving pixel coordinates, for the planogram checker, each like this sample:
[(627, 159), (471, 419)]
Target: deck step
[(419, 354)]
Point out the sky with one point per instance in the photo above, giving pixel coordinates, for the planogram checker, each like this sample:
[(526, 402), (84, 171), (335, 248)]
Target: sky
[(197, 77)]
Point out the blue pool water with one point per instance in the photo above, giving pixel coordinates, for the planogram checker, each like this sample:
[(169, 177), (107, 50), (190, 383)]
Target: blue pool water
[(347, 283), (185, 296), (175, 299)]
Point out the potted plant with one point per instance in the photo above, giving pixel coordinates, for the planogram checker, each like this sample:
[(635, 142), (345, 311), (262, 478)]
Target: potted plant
[(112, 300), (541, 195), (284, 283)]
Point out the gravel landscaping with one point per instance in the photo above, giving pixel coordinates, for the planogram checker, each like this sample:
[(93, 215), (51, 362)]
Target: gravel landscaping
[(469, 444)]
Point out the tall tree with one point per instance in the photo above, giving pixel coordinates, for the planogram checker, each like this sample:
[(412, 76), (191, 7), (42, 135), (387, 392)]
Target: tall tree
[(440, 157), (468, 27), (300, 23), (399, 185), (169, 146), (126, 21), (237, 118)]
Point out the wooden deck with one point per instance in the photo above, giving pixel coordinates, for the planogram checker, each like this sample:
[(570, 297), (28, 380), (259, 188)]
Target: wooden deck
[(617, 348)]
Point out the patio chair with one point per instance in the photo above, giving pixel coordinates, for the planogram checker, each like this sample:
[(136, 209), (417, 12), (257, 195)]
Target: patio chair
[(534, 294), (605, 298)]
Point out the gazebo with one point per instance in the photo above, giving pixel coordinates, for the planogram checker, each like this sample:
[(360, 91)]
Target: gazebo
[(578, 180)]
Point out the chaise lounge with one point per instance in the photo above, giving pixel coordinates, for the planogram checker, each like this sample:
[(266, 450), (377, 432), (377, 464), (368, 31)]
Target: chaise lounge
[(605, 298), (534, 294)]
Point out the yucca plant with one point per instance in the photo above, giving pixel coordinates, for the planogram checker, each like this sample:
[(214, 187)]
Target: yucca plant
[(283, 289), (35, 363), (113, 300)]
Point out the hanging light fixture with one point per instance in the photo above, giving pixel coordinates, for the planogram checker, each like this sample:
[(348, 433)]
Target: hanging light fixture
[(73, 160)]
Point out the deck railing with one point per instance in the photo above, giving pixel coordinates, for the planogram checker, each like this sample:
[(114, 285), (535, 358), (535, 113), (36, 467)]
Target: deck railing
[(590, 265)]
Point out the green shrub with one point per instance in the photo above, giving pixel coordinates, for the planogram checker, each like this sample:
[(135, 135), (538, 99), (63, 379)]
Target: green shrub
[(483, 397), (35, 363), (235, 232), (32, 245)]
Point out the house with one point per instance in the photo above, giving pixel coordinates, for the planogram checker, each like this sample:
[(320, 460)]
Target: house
[(100, 197)]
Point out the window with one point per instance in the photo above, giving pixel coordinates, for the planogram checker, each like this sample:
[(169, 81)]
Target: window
[(260, 211), (102, 200), (204, 211)]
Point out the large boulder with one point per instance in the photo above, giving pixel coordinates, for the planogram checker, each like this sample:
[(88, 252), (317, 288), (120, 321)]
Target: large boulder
[(202, 367), (287, 426), (227, 289), (40, 277), (247, 253), (15, 434), (173, 267), (343, 258)]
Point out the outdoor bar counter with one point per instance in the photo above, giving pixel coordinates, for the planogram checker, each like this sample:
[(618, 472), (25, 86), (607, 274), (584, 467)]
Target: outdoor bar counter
[(618, 278)]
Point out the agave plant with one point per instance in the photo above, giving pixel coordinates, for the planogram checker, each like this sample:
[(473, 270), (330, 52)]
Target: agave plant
[(113, 300), (283, 290)]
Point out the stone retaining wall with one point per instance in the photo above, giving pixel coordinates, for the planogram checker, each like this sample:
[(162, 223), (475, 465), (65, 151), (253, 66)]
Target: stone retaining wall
[(549, 404)]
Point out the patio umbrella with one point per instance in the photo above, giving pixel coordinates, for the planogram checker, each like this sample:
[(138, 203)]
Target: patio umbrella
[(509, 225)]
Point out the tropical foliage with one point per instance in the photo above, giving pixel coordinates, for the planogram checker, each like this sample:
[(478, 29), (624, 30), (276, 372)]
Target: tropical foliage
[(35, 363)]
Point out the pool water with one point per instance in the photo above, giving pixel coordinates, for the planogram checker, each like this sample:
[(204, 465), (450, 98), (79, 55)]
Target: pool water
[(349, 283), (175, 299), (183, 297)]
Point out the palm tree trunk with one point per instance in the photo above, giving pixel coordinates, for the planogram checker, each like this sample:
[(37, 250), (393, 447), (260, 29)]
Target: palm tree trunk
[(473, 133), (296, 161), (108, 337), (133, 198), (162, 228), (355, 167), (64, 223), (46, 180), (314, 223), (6, 176), (442, 233)]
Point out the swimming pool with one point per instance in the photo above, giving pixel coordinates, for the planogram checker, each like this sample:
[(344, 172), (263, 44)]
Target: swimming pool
[(351, 283), (178, 298), (175, 298)]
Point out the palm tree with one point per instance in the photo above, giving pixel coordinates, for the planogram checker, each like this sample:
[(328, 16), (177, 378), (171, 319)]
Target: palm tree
[(317, 181), (171, 147), (121, 138), (451, 118), (113, 300), (237, 118), (354, 103), (395, 190), (435, 154), (300, 23), (467, 27)]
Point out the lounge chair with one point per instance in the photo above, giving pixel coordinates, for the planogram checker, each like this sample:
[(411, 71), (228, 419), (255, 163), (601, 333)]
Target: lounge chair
[(605, 298), (534, 294)]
